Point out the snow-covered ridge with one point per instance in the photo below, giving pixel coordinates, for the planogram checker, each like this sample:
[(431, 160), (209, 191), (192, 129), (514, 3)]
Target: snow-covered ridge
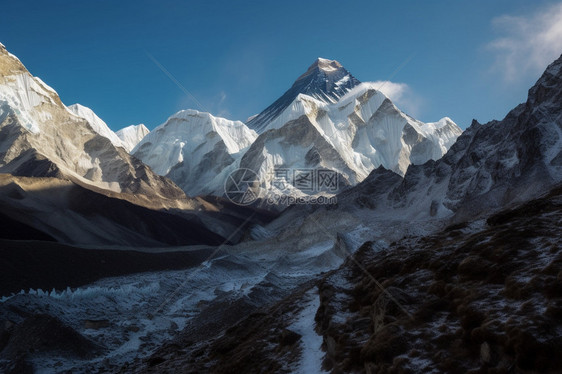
[(188, 132), (193, 147), (368, 131), (25, 93), (97, 124), (235, 134), (57, 142), (132, 135), (326, 80)]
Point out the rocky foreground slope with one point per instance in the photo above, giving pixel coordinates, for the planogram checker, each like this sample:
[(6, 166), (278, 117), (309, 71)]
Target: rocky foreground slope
[(467, 299), (479, 297)]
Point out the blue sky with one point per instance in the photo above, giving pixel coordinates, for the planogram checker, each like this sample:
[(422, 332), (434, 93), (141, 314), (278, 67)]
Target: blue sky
[(462, 59)]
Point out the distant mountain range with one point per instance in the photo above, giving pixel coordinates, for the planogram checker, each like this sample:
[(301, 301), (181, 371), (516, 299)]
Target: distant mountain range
[(69, 176), (327, 120)]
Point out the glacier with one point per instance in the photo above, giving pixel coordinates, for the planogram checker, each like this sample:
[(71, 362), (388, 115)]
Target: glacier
[(145, 310)]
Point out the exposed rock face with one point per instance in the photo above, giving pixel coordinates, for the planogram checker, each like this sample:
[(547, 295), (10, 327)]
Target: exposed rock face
[(325, 80), (489, 166), (40, 137), (471, 297)]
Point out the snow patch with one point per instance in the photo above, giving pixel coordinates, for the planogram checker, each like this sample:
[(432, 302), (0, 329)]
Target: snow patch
[(23, 93), (311, 342)]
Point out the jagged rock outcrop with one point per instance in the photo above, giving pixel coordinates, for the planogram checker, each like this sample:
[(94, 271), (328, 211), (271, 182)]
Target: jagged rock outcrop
[(490, 165)]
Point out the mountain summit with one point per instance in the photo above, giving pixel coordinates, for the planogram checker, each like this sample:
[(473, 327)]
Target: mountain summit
[(325, 80), (489, 167), (327, 120)]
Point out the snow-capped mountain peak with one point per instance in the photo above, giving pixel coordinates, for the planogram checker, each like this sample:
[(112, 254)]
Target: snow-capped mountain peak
[(193, 148), (44, 138), (355, 135), (131, 135), (327, 120), (325, 80), (323, 64)]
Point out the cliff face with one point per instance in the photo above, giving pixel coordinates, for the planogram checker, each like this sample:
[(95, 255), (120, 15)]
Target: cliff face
[(41, 137), (489, 166)]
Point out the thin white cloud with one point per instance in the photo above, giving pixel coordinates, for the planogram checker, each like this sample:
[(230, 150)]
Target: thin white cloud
[(222, 97), (220, 109), (527, 43)]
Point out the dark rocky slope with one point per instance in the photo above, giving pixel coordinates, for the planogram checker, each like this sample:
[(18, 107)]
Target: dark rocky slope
[(34, 264), (467, 299), (71, 213), (482, 297), (489, 167)]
